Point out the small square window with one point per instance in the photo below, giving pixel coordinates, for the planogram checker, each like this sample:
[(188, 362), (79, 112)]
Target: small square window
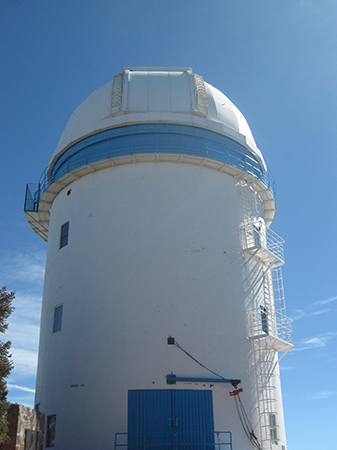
[(58, 318), (64, 235), (51, 428)]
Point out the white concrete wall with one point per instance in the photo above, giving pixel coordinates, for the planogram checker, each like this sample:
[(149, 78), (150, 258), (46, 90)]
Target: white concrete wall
[(154, 250)]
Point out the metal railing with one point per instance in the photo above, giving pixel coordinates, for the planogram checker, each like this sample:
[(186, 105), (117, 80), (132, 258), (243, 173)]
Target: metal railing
[(255, 235), (284, 327), (185, 440), (275, 244), (32, 197), (151, 138), (263, 322)]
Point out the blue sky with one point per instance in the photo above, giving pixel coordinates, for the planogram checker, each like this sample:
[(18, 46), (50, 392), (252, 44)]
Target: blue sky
[(276, 60)]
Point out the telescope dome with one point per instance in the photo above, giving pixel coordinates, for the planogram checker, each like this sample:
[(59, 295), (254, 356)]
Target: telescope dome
[(142, 95)]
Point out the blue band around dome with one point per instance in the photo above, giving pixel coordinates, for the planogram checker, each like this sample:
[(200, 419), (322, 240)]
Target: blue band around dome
[(154, 138)]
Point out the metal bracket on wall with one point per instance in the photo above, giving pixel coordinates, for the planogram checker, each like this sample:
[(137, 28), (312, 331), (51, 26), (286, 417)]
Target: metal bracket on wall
[(173, 379)]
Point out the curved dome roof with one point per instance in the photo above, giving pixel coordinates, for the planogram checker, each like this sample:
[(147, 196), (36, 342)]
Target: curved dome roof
[(157, 95), (151, 114)]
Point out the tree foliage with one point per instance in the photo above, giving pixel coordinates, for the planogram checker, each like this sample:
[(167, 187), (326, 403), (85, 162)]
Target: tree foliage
[(6, 364)]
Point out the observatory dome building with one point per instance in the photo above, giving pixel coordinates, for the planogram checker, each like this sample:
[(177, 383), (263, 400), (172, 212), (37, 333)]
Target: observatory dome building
[(163, 316)]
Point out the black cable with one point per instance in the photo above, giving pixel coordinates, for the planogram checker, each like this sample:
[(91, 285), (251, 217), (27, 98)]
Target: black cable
[(192, 357), (239, 405), (246, 425), (245, 417), (252, 437)]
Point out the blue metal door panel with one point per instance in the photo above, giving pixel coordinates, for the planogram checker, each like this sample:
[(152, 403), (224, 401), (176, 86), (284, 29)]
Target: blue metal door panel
[(149, 420), (193, 412), (170, 420)]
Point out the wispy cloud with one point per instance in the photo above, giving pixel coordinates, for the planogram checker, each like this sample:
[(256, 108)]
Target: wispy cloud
[(323, 395), (25, 362), (23, 332), (23, 273), (322, 311), (22, 380), (325, 302), (315, 342), (27, 308), (23, 335), (21, 388), (22, 267), (299, 314), (283, 368), (316, 306)]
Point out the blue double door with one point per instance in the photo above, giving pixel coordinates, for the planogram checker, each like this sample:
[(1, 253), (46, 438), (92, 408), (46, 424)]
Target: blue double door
[(170, 420)]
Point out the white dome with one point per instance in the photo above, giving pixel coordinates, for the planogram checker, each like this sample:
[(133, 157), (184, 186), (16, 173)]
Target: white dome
[(157, 95), (151, 114)]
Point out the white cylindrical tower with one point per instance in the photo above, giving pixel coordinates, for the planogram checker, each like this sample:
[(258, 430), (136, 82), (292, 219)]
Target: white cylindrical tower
[(163, 311)]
